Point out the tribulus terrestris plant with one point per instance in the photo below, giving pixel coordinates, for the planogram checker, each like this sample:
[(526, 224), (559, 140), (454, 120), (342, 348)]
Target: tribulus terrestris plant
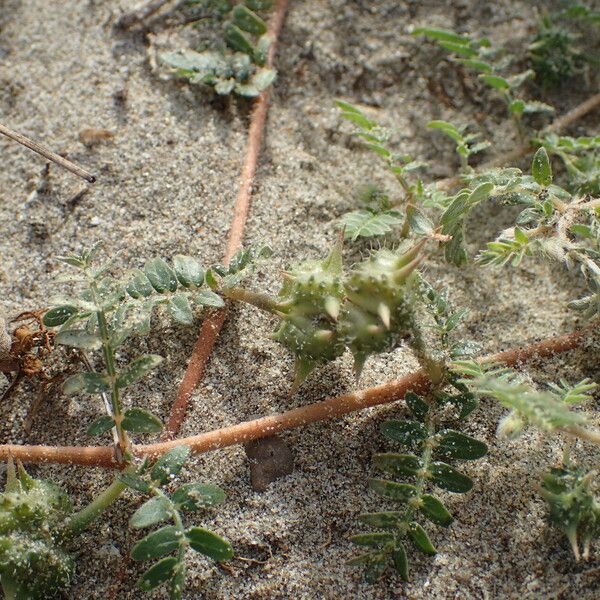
[(324, 309)]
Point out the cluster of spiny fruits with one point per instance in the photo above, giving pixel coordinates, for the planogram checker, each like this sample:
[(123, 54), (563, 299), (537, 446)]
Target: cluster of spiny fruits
[(32, 563), (324, 311)]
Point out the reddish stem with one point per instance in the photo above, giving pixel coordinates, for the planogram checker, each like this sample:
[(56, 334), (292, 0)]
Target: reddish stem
[(211, 327), (102, 456)]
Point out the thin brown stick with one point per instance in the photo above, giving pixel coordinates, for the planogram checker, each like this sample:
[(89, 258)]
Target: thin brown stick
[(212, 325), (103, 456), (514, 155), (56, 158)]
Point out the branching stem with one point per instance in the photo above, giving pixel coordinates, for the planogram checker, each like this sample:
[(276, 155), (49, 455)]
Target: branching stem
[(103, 456)]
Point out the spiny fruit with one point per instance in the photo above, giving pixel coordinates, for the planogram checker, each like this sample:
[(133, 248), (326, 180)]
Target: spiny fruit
[(312, 296), (30, 559), (323, 312), (378, 310), (574, 506)]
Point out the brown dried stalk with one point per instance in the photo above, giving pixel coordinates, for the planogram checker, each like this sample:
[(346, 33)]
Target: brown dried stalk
[(45, 152), (103, 456), (514, 155), (212, 325)]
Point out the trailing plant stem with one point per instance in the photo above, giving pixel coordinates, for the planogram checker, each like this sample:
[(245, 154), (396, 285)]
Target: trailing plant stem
[(109, 360), (258, 299), (391, 391), (94, 509)]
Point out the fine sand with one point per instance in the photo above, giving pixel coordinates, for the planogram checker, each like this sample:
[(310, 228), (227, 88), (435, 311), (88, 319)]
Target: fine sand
[(167, 181)]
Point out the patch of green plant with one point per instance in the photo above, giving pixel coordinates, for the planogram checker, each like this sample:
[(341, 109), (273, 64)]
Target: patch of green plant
[(554, 54), (169, 543), (573, 498), (39, 530), (235, 61), (493, 66)]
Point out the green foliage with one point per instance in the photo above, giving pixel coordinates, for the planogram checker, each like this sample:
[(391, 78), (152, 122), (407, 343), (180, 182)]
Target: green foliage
[(553, 53), (573, 499), (466, 144), (169, 543), (32, 562), (432, 444), (547, 410), (492, 64), (581, 158), (235, 61)]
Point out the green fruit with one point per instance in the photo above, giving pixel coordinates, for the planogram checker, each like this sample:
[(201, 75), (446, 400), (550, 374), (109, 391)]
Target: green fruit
[(378, 311), (312, 296)]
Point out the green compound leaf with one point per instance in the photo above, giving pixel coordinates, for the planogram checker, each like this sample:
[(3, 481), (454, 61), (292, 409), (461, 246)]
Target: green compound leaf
[(408, 433), (195, 496), (366, 223), (448, 478), (420, 539), (180, 310), (382, 520), (100, 425), (540, 167), (237, 39), (155, 510), (443, 35), (160, 275), (188, 271), (137, 369), (158, 573), (138, 420), (247, 20), (401, 492), (59, 315), (397, 464), (496, 82), (418, 407), (158, 543), (400, 561), (453, 444), (92, 383), (435, 511), (139, 286), (374, 564), (373, 540), (169, 464), (134, 482), (208, 298), (77, 338), (209, 543)]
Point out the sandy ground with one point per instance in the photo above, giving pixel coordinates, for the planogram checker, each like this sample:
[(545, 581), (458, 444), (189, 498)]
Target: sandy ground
[(166, 185)]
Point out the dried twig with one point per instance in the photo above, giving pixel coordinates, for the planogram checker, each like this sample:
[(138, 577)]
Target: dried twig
[(103, 456), (212, 325), (56, 158), (511, 157)]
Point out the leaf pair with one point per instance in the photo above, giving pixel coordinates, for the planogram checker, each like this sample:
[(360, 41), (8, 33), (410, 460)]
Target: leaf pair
[(175, 538)]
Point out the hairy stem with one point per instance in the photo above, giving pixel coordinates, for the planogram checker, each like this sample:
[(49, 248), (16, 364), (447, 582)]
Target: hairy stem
[(556, 126), (258, 299), (109, 360), (80, 520), (103, 456)]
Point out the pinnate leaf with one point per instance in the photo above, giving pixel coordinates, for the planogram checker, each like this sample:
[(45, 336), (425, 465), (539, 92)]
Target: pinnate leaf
[(158, 543), (209, 543)]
